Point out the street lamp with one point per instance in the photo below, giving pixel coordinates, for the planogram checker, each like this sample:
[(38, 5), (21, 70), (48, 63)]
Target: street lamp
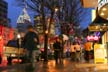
[(46, 32), (19, 40), (56, 9), (18, 36), (19, 45)]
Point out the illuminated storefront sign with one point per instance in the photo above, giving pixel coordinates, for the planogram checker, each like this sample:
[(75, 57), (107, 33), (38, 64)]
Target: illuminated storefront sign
[(97, 33), (93, 14), (101, 3), (93, 38), (100, 54)]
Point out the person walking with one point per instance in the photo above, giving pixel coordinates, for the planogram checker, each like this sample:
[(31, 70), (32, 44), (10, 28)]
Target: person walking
[(57, 49), (78, 51), (73, 52), (87, 47), (30, 43)]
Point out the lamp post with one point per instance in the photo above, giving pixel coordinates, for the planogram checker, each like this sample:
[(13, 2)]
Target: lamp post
[(46, 46), (19, 45), (44, 29), (56, 9)]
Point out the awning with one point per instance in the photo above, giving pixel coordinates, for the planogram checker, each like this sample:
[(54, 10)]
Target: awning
[(99, 24)]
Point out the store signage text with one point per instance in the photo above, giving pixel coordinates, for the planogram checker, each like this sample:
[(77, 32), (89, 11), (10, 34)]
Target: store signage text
[(93, 38), (101, 3)]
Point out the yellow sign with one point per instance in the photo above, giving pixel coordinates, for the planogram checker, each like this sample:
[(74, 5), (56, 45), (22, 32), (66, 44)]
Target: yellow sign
[(100, 54)]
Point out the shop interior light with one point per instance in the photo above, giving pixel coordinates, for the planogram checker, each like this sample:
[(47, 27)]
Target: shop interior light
[(104, 24), (100, 29), (97, 27), (102, 14), (104, 9)]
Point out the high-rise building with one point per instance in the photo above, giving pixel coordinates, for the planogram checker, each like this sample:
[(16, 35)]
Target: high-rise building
[(38, 24), (3, 13), (23, 21)]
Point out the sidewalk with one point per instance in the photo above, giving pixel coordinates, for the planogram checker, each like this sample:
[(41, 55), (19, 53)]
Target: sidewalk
[(69, 66), (65, 66), (5, 66)]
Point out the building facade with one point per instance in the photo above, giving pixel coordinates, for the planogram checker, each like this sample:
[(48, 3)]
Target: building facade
[(38, 24), (3, 13)]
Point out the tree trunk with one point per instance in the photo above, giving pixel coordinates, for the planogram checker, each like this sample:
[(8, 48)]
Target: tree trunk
[(44, 30), (51, 19)]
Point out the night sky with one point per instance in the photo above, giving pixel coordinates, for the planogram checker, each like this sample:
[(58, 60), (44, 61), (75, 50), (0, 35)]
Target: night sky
[(14, 12)]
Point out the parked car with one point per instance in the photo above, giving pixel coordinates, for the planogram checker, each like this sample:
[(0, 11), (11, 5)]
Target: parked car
[(13, 52)]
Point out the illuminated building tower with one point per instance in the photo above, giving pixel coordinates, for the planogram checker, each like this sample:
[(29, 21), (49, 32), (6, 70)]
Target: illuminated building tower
[(23, 21)]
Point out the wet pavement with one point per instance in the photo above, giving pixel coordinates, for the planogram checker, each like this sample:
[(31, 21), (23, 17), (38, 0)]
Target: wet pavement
[(64, 66)]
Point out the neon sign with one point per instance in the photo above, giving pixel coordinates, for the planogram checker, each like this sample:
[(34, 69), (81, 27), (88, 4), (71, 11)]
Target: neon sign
[(93, 38), (97, 34), (101, 3)]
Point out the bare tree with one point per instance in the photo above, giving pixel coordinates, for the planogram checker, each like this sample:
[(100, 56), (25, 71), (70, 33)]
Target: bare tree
[(42, 8), (70, 13)]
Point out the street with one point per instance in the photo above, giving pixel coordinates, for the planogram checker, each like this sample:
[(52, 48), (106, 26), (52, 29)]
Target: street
[(65, 66)]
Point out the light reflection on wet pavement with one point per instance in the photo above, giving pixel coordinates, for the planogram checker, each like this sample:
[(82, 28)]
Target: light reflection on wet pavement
[(18, 68), (64, 66)]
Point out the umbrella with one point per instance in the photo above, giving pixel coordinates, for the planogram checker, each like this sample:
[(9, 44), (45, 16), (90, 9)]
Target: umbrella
[(65, 37)]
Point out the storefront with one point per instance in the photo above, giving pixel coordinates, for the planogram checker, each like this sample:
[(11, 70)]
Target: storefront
[(99, 24), (103, 9), (101, 21), (105, 40), (105, 37), (6, 34)]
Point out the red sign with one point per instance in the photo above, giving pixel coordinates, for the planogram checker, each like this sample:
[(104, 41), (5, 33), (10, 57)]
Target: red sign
[(6, 34)]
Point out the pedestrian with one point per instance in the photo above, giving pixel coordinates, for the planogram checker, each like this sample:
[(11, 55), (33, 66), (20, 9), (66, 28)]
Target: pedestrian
[(73, 52), (87, 47), (9, 59), (67, 52), (78, 51), (30, 43), (36, 54), (57, 48)]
